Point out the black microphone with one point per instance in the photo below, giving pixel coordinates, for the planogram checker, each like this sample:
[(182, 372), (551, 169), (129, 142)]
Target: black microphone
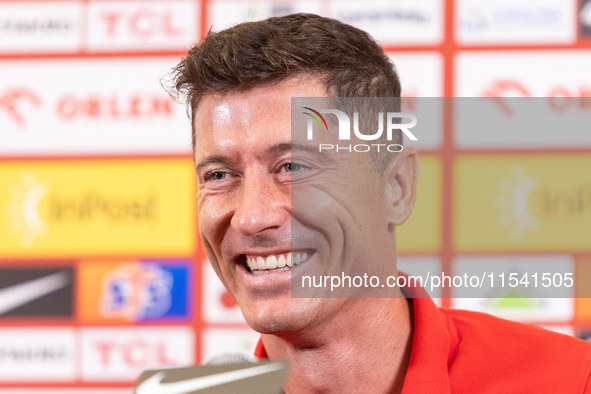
[(226, 373)]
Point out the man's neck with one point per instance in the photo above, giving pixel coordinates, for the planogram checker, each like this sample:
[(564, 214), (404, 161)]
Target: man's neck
[(365, 348)]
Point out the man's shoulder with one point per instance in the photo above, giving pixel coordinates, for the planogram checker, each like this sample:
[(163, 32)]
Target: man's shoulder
[(514, 357)]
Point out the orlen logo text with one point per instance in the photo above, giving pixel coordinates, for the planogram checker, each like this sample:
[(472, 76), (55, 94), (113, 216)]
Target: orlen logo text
[(10, 101), (560, 98), (392, 123), (113, 107), (16, 103)]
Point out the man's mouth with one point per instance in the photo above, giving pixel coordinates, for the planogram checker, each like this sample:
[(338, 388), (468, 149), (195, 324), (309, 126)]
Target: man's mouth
[(260, 265)]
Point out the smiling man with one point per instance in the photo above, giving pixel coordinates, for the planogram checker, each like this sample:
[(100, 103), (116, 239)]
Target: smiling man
[(273, 207)]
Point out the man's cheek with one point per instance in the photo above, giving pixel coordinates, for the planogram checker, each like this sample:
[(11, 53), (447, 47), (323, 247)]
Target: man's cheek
[(211, 223), (221, 271), (211, 246)]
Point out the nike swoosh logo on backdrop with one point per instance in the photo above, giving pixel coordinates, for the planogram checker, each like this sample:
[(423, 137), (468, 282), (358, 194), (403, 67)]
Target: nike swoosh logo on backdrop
[(154, 385), (14, 296)]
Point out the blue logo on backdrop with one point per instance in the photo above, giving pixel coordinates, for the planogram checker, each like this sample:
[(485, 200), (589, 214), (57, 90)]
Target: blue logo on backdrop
[(147, 291)]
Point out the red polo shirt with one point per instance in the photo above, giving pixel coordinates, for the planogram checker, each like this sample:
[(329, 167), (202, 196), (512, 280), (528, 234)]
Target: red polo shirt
[(457, 351)]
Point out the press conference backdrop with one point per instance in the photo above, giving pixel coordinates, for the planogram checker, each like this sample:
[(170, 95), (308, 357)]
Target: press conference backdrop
[(101, 271)]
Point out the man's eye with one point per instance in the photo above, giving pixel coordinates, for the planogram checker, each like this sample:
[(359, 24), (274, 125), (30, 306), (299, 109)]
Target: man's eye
[(218, 175), (290, 167)]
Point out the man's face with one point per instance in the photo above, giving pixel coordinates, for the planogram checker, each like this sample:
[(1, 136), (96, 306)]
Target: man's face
[(265, 201)]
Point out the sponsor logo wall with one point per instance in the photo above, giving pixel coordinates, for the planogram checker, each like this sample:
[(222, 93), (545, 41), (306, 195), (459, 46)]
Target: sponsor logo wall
[(101, 271)]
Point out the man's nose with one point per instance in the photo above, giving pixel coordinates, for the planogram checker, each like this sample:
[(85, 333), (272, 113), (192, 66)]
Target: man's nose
[(262, 205)]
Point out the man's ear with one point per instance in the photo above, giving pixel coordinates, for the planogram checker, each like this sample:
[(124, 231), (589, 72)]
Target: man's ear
[(401, 178)]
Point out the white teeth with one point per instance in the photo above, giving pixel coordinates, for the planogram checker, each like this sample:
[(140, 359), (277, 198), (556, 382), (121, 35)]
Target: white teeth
[(273, 262)]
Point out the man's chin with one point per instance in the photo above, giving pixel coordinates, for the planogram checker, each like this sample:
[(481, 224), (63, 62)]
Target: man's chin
[(275, 326), (276, 318)]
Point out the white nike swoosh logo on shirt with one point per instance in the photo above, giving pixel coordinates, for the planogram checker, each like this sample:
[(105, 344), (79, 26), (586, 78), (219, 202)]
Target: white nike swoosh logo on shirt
[(154, 385), (14, 296)]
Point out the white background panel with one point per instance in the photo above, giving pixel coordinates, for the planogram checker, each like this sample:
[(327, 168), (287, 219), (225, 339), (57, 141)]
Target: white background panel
[(89, 106), (394, 22), (534, 73), (112, 354), (136, 25), (561, 329), (226, 13), (516, 21), (420, 73), (218, 341), (37, 354), (421, 78), (557, 119), (218, 306), (529, 303), (40, 26)]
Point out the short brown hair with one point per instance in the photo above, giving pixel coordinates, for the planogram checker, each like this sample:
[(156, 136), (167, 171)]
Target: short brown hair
[(345, 59)]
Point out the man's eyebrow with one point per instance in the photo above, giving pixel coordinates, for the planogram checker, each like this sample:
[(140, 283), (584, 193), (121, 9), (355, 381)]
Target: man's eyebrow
[(287, 147), (275, 149), (213, 159)]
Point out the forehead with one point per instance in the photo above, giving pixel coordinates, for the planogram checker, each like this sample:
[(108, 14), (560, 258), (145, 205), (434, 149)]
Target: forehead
[(251, 118)]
